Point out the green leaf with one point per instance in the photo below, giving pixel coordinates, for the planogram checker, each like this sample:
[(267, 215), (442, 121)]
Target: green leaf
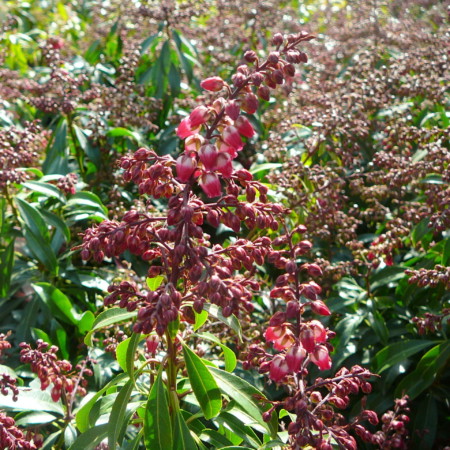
[(446, 253), (32, 418), (33, 219), (6, 267), (378, 325), (229, 356), (426, 371), (92, 152), (106, 318), (56, 222), (46, 189), (203, 384), (200, 319), (57, 157), (59, 304), (426, 419), (125, 353), (174, 81), (398, 352), (157, 423), (82, 416), (124, 132), (232, 321), (385, 276), (116, 418), (214, 439), (154, 283), (245, 395), (422, 231), (42, 250), (39, 400), (86, 321), (182, 438), (236, 425), (146, 44), (90, 438), (87, 200)]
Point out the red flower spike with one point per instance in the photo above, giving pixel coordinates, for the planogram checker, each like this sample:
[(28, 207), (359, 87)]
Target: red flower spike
[(232, 137), (213, 84), (278, 369), (321, 358), (185, 166), (199, 116), (244, 127), (319, 307), (295, 357), (210, 184), (208, 156)]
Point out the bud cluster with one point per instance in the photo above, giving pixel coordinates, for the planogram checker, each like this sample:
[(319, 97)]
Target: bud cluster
[(12, 438), (50, 370)]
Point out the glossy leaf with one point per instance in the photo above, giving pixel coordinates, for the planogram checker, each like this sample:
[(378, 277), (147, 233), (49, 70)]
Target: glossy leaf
[(90, 438), (106, 318), (398, 352), (244, 394), (203, 384), (232, 321), (182, 438), (116, 418), (428, 368), (157, 422)]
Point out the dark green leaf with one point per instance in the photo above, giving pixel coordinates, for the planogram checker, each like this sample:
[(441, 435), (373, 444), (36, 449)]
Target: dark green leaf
[(229, 356), (33, 219), (47, 189), (398, 352), (426, 371), (6, 266), (56, 222)]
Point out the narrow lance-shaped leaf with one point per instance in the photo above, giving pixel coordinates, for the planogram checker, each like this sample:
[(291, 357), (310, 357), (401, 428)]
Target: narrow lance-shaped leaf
[(157, 423), (205, 388)]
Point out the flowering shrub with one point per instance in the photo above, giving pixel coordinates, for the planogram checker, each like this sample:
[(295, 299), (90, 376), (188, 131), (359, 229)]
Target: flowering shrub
[(211, 261)]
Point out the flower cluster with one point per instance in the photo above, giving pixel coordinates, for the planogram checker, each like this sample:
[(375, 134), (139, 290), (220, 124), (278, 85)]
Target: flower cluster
[(12, 438), (174, 243), (19, 148), (50, 370), (68, 183)]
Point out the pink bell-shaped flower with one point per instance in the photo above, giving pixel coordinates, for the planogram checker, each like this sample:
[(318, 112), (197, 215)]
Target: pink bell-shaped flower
[(185, 128), (278, 368), (208, 156), (244, 127), (321, 358), (307, 339), (295, 357), (185, 166), (232, 137), (210, 184), (224, 164), (199, 116)]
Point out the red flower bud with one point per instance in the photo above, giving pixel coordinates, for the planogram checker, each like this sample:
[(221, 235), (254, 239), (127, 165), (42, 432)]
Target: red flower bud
[(198, 116), (244, 127), (224, 164), (233, 109), (250, 103), (212, 84), (295, 357), (319, 307)]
